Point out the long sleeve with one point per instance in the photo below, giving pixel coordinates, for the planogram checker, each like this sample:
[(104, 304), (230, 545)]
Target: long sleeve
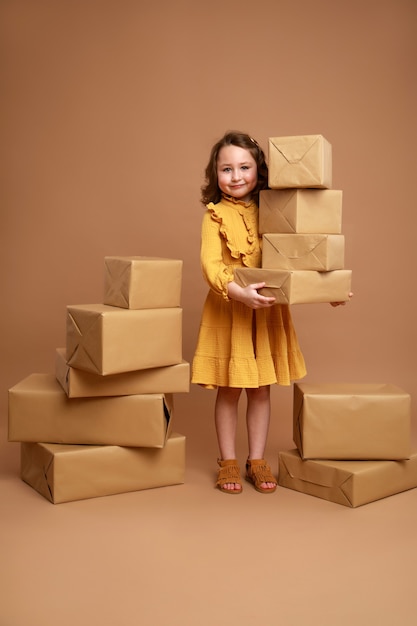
[(229, 239), (215, 271)]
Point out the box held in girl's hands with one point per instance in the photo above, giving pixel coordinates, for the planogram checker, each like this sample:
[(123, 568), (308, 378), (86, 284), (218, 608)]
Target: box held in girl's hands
[(298, 286)]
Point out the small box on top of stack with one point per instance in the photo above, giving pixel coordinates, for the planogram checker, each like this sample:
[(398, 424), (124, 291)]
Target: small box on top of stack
[(353, 443), (300, 220), (103, 423)]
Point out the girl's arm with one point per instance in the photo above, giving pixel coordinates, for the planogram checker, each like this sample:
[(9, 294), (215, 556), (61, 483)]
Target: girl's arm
[(218, 275), (215, 271)]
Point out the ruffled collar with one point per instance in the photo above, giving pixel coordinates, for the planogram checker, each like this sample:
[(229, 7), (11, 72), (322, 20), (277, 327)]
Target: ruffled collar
[(234, 201), (247, 249)]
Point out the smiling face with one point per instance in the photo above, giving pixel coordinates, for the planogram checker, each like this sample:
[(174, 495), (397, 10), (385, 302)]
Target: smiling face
[(237, 172)]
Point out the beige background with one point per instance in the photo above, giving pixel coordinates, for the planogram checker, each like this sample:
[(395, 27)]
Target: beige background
[(109, 110)]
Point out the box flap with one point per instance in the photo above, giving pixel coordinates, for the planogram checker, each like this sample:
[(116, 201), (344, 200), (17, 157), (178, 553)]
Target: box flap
[(295, 247), (320, 479), (36, 467), (117, 276), (275, 279), (312, 471), (82, 347), (276, 213), (294, 149)]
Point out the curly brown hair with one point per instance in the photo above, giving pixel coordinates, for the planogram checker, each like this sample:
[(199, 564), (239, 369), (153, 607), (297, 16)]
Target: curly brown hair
[(210, 191)]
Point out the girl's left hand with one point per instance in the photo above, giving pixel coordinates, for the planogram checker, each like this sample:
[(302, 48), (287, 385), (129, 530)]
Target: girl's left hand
[(342, 303)]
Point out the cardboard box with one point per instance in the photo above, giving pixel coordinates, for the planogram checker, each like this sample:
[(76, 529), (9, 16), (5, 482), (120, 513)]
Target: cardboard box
[(110, 340), (64, 473), (80, 384), (139, 282), (352, 421), (351, 483), (300, 211), (298, 286), (39, 410), (299, 161), (320, 253)]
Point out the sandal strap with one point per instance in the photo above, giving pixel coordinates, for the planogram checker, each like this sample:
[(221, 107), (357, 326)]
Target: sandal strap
[(229, 472), (259, 471)]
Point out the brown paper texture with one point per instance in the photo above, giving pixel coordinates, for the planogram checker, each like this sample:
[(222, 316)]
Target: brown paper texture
[(40, 410), (300, 211), (64, 473), (298, 286), (300, 161), (110, 340), (316, 252), (80, 384), (351, 483), (137, 282), (352, 421)]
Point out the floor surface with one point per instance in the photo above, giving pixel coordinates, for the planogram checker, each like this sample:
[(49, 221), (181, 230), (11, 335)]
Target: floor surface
[(188, 555)]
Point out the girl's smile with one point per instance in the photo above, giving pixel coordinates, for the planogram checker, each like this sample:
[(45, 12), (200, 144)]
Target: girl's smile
[(237, 172)]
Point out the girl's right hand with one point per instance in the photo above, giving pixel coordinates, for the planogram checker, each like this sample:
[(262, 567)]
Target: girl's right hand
[(249, 295)]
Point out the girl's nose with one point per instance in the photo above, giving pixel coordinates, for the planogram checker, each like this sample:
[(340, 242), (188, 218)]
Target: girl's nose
[(236, 174)]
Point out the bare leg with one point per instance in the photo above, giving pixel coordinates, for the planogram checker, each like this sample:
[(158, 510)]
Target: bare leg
[(226, 415), (257, 419)]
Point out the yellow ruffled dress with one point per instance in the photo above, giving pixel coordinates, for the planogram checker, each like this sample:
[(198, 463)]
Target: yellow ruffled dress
[(238, 346)]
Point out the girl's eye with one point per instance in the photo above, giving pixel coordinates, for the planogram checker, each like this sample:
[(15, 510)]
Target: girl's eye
[(226, 169)]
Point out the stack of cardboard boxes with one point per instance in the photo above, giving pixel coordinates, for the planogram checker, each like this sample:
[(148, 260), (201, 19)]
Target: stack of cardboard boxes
[(353, 443), (103, 423), (353, 440), (300, 220)]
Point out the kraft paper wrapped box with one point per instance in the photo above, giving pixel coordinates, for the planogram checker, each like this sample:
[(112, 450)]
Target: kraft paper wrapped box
[(107, 340), (299, 161), (40, 411), (300, 211), (352, 421), (351, 483), (80, 384), (298, 286), (64, 473), (318, 252), (138, 282)]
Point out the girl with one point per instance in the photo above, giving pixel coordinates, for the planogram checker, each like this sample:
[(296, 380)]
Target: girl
[(245, 341)]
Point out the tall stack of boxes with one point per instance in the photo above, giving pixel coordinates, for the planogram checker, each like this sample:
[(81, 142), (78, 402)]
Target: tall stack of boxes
[(103, 423), (353, 440), (300, 220)]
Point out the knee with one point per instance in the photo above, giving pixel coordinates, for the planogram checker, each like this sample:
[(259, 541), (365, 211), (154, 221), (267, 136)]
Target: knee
[(259, 394), (228, 394)]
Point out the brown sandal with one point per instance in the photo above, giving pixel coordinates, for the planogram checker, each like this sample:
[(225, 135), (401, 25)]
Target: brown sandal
[(229, 473), (258, 472)]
